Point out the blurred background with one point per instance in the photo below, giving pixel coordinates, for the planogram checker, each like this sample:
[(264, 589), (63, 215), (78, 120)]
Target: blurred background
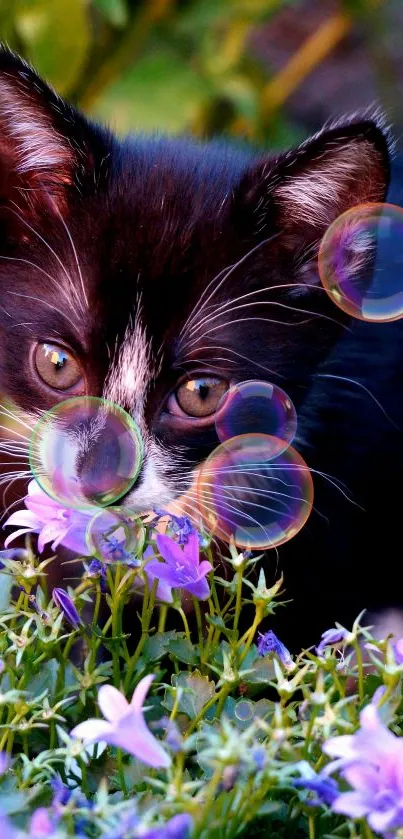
[(268, 71)]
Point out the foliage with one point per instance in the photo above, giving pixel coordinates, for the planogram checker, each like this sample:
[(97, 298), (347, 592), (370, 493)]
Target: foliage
[(171, 65), (239, 728)]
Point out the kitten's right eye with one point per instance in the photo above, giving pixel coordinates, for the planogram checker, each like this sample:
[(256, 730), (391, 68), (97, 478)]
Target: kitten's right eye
[(56, 366)]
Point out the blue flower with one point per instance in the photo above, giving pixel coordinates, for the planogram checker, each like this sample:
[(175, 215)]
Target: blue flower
[(178, 827), (61, 793), (181, 569), (269, 643), (181, 526), (66, 605), (326, 789), (331, 638)]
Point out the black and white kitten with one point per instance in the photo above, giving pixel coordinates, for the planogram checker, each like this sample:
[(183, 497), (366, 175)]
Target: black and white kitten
[(164, 269)]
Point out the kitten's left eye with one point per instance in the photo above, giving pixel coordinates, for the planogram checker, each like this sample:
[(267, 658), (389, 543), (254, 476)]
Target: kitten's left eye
[(200, 397), (57, 366)]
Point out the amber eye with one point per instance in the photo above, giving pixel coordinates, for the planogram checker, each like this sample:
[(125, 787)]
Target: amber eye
[(200, 397), (56, 366)]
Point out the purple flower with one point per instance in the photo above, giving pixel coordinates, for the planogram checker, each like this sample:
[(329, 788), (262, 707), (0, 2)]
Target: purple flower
[(181, 526), (41, 824), (331, 638), (371, 761), (5, 763), (269, 643), (397, 648), (178, 827), (7, 831), (124, 726), (61, 793), (66, 605), (326, 789), (259, 756), (53, 522), (181, 569)]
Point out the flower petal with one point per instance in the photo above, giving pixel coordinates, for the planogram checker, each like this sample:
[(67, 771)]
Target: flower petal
[(112, 703), (170, 550), (351, 804), (204, 568), (199, 589), (192, 549), (25, 518), (15, 535), (132, 735), (152, 569), (92, 730), (140, 693)]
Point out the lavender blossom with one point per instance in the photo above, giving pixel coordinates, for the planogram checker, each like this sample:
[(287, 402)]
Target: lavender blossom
[(66, 605), (41, 825), (124, 726), (178, 827), (371, 761), (397, 648), (330, 638), (326, 789), (53, 522), (181, 569), (269, 643)]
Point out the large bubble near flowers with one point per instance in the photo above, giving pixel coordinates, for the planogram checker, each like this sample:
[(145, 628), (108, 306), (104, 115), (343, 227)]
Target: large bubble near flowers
[(256, 407), (361, 262), (114, 535), (86, 452), (246, 494)]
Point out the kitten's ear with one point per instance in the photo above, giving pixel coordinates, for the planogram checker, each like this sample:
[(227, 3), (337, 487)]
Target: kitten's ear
[(46, 147), (300, 193)]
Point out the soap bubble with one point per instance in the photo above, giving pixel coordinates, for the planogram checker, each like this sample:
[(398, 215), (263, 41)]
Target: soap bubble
[(361, 262), (115, 535), (245, 493), (244, 710), (86, 452), (256, 407)]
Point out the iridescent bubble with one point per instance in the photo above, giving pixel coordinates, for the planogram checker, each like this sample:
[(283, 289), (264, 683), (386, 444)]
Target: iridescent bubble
[(246, 494), (244, 710), (256, 407), (86, 452), (361, 262), (115, 535)]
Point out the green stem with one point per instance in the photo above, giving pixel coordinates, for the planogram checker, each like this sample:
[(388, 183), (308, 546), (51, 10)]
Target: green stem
[(238, 602), (248, 637), (185, 623), (360, 668), (162, 618), (119, 761), (146, 615), (311, 825), (199, 628)]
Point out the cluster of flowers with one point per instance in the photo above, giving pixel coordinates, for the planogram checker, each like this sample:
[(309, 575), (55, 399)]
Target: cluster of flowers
[(226, 733)]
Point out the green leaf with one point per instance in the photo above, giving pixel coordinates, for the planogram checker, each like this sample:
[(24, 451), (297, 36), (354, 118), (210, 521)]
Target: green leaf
[(183, 650), (6, 584), (56, 36), (196, 692), (141, 101), (156, 645), (45, 680), (115, 11)]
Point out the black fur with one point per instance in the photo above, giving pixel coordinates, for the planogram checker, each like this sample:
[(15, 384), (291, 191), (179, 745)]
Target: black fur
[(154, 220)]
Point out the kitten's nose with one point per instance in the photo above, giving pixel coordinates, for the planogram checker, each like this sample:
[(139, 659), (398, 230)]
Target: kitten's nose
[(109, 465), (89, 452)]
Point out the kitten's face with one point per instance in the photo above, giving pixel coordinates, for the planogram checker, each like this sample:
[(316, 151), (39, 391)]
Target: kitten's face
[(157, 272)]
